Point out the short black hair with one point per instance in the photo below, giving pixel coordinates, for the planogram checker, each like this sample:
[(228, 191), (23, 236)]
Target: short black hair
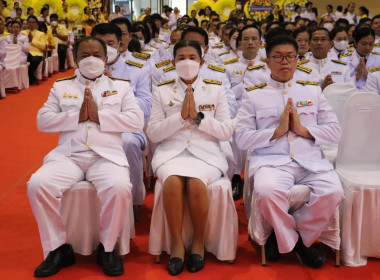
[(53, 16), (339, 8), (240, 35), (32, 17), (342, 20), (308, 3), (143, 28), (15, 22), (319, 29), (280, 40), (361, 32), (106, 28), (85, 39), (375, 17), (196, 30), (123, 20), (43, 10), (299, 30), (134, 44), (330, 6), (335, 31), (187, 43), (276, 32)]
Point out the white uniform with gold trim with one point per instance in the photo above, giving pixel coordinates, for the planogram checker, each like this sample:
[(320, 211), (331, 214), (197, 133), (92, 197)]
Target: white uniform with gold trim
[(373, 80), (276, 165), (85, 151)]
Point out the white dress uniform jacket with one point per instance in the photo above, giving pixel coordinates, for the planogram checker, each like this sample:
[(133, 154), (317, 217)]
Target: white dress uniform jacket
[(373, 60), (177, 135), (373, 80), (23, 41), (260, 115), (118, 112)]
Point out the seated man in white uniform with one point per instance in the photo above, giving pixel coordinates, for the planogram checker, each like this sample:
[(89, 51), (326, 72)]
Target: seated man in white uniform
[(90, 111), (285, 121)]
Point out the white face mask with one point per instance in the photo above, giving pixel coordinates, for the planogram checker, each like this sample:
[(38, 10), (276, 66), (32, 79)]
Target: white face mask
[(238, 7), (233, 44), (187, 69), (91, 67), (54, 24), (111, 54), (341, 46), (329, 26)]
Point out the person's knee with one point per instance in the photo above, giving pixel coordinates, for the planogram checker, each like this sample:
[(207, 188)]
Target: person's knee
[(131, 145), (35, 185)]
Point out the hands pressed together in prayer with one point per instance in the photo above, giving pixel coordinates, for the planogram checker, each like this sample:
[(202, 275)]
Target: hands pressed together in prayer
[(188, 105), (89, 109), (290, 120)]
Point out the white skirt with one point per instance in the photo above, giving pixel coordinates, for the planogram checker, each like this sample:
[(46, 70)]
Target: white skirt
[(188, 165)]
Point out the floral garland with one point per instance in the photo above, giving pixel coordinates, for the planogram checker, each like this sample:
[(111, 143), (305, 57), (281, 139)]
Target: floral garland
[(78, 6), (10, 4), (25, 5), (224, 8), (55, 6), (288, 6), (263, 10), (201, 4)]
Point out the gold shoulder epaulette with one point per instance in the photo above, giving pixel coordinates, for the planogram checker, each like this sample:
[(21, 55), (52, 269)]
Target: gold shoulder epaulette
[(120, 79), (167, 47), (143, 56), (162, 63), (314, 83), (147, 51), (350, 46), (165, 30), (377, 53), (217, 46), (153, 46), (300, 62), (207, 81), (66, 79), (261, 85), (339, 61), (157, 40), (377, 45), (263, 59), (346, 54), (133, 63), (169, 68), (231, 60), (304, 68), (223, 53), (253, 67), (217, 68), (166, 82), (374, 69), (263, 45)]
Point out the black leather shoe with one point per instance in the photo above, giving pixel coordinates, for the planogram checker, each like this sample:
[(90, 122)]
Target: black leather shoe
[(196, 263), (61, 257), (237, 186), (272, 253), (175, 266), (110, 261), (311, 256)]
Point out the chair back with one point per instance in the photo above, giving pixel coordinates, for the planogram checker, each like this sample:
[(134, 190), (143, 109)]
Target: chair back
[(337, 94), (13, 57), (55, 50), (359, 146)]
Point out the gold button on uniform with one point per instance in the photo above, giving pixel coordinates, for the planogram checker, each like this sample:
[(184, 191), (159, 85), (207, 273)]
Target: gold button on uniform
[(91, 87), (89, 144), (188, 142), (87, 83), (277, 85), (292, 155), (89, 127), (290, 139), (189, 127), (285, 92), (289, 84)]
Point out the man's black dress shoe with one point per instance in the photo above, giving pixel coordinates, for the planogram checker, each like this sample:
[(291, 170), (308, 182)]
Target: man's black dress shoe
[(110, 261), (196, 263), (237, 186), (272, 253), (311, 256), (175, 266), (61, 257)]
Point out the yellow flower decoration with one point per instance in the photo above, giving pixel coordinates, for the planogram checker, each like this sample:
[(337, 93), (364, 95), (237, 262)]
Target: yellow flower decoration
[(25, 5), (289, 6), (201, 4), (55, 7), (258, 15), (224, 7), (246, 10), (76, 7)]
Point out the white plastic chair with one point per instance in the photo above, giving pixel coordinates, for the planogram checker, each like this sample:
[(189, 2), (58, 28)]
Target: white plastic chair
[(54, 56), (69, 59), (358, 166), (2, 88), (337, 94), (12, 61), (259, 229), (221, 234), (38, 73), (80, 210)]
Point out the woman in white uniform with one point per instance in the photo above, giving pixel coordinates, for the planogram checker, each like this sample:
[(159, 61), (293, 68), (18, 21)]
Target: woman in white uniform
[(190, 117)]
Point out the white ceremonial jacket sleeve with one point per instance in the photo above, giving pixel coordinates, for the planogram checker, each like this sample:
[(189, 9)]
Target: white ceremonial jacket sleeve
[(373, 82)]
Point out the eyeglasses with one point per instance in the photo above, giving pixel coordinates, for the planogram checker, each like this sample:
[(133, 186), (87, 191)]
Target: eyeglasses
[(280, 58)]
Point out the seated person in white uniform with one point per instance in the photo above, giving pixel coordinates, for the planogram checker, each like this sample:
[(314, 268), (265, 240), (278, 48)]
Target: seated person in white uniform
[(285, 121), (89, 111), (373, 80), (190, 117), (20, 39)]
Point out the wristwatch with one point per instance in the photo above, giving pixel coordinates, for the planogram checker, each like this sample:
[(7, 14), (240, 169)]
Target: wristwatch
[(199, 118)]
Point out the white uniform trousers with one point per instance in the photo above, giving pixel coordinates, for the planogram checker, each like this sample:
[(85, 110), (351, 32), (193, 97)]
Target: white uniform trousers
[(239, 156), (59, 173), (133, 146), (272, 188)]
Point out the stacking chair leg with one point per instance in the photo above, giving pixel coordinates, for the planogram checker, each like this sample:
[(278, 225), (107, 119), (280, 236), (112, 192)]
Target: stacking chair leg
[(157, 259), (263, 258), (337, 258)]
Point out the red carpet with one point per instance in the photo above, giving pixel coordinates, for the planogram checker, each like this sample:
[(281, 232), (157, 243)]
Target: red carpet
[(22, 149)]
